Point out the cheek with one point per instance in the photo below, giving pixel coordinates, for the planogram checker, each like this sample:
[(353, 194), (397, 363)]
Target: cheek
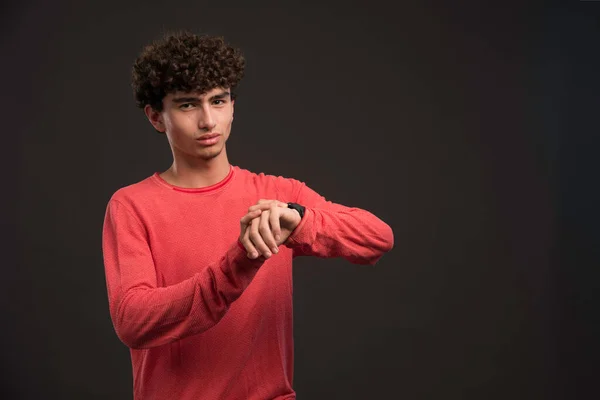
[(227, 121), (180, 126), (169, 123)]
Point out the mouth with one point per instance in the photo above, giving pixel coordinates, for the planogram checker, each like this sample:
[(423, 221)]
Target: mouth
[(208, 136), (208, 139)]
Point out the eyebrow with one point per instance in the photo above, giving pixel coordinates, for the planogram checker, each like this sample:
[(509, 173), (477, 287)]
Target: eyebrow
[(191, 99)]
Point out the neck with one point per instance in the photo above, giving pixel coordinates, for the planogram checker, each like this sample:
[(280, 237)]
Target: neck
[(197, 173)]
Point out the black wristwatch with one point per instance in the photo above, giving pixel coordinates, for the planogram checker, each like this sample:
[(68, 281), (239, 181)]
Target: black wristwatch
[(298, 208)]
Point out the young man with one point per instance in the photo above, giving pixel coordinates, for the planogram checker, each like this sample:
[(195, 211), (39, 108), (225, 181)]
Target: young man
[(198, 258)]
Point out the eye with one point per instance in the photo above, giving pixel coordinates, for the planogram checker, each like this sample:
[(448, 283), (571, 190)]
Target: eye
[(219, 102), (186, 106)]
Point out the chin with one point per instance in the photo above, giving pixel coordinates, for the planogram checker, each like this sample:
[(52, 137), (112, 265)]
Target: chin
[(209, 155)]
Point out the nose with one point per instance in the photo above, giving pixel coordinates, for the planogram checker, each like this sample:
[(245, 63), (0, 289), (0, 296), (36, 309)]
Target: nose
[(206, 121)]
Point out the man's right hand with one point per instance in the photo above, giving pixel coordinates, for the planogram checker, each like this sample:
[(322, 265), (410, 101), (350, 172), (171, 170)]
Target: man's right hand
[(266, 226)]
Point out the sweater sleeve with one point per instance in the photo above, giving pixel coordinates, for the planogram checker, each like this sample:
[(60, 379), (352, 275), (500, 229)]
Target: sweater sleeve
[(145, 315), (333, 230)]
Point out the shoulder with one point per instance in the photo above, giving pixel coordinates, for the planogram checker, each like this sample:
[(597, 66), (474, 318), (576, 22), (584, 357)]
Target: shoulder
[(134, 193), (282, 185)]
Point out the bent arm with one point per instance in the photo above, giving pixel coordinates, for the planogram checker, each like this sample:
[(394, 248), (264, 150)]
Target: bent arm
[(145, 315), (333, 230)]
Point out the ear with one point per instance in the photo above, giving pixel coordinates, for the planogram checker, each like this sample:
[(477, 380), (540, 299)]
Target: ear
[(232, 108), (155, 118)]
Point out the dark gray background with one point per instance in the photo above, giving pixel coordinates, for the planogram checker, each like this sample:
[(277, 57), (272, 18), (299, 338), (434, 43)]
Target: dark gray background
[(471, 130)]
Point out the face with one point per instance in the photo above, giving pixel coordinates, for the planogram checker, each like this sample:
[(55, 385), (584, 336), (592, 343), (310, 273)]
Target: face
[(197, 125)]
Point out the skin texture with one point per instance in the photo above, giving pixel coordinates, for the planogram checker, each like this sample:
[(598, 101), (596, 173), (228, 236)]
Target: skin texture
[(184, 118)]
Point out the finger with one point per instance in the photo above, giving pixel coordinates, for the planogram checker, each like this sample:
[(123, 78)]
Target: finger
[(274, 216), (244, 233), (265, 232), (263, 204), (257, 239), (260, 207), (245, 220), (252, 252)]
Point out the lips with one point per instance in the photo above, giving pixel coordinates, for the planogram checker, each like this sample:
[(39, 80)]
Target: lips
[(208, 139), (208, 136)]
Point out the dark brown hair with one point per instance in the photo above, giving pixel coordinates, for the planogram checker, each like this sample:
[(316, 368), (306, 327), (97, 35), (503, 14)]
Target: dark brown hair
[(184, 61)]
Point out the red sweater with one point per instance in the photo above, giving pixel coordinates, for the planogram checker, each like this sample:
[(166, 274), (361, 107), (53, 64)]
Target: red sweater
[(202, 320)]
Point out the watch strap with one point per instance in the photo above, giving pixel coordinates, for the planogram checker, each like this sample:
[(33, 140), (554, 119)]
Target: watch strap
[(297, 207)]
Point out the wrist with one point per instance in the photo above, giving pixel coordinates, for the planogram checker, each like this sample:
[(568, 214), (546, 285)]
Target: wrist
[(299, 208)]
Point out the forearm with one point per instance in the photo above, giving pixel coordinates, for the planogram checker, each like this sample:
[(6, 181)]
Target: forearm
[(350, 233), (147, 316)]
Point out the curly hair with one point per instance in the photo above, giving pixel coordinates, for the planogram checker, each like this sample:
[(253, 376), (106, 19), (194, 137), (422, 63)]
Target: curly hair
[(183, 61)]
